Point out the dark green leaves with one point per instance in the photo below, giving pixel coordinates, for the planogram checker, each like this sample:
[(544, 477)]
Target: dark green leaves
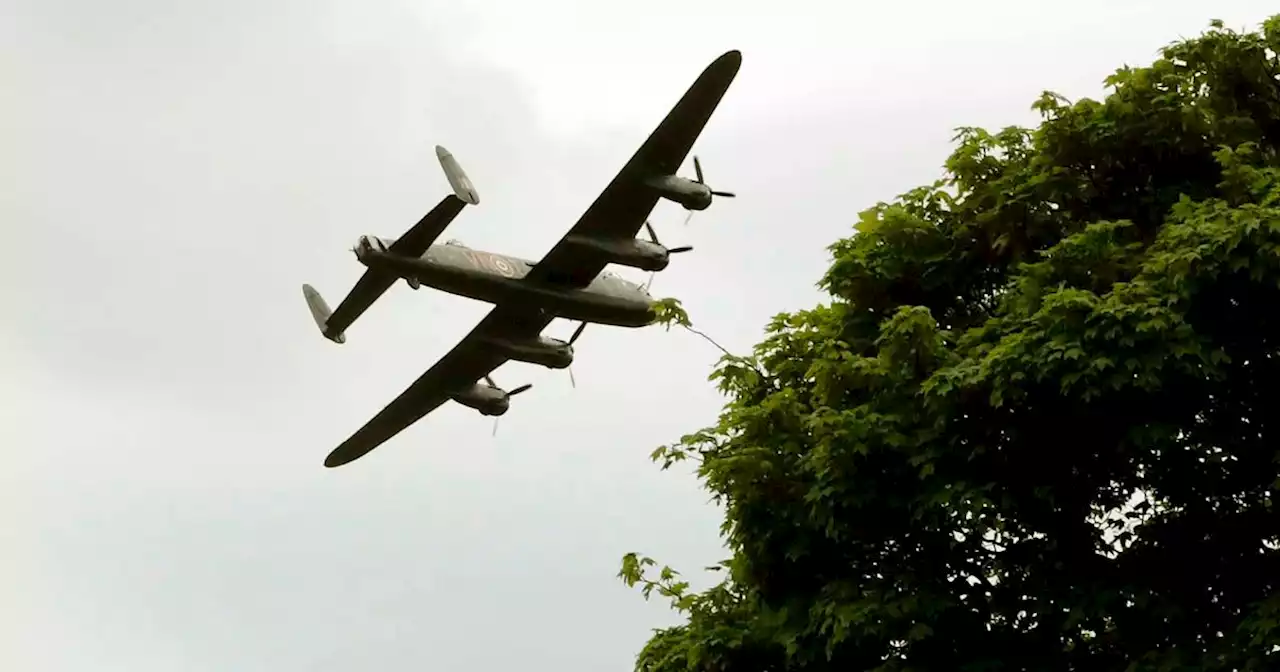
[(1035, 427)]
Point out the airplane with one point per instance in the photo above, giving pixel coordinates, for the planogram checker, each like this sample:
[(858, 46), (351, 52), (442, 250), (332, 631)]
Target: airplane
[(569, 282)]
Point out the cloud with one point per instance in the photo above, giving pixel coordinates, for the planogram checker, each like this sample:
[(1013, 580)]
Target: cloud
[(177, 171), (171, 186), (181, 175)]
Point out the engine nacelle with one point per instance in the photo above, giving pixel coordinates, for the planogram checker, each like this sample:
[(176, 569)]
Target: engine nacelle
[(487, 399), (413, 283), (552, 353), (688, 193), (635, 253)]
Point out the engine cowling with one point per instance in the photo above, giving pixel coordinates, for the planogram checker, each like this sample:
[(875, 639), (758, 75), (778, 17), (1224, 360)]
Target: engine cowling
[(688, 193), (487, 399), (552, 353), (634, 252), (692, 194)]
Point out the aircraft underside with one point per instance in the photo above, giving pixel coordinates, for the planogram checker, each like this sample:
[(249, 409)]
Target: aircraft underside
[(631, 309), (568, 281)]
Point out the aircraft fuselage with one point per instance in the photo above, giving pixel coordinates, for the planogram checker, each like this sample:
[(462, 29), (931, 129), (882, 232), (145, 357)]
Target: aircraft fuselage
[(498, 278)]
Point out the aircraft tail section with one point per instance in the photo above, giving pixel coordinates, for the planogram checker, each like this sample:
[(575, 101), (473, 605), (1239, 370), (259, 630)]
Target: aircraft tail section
[(414, 243), (458, 180), (321, 312)]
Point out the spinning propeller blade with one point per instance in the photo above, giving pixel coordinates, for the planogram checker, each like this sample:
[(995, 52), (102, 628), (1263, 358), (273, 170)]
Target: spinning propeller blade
[(510, 393), (653, 237), (576, 333), (520, 389), (697, 169), (648, 283)]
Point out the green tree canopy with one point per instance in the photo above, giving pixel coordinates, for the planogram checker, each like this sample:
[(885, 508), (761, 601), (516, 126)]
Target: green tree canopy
[(1037, 425)]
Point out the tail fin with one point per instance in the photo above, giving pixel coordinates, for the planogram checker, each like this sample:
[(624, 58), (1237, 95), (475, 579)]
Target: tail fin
[(321, 312), (458, 180)]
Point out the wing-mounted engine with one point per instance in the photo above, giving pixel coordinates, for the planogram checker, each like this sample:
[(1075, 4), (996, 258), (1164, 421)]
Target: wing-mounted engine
[(488, 398), (646, 255), (690, 194), (552, 353)]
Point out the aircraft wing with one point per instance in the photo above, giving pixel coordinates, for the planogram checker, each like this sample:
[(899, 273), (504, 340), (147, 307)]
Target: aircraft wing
[(414, 243), (621, 209), (468, 361)]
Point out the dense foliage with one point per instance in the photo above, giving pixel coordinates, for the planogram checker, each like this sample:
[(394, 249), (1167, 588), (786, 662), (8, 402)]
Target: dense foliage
[(1033, 429)]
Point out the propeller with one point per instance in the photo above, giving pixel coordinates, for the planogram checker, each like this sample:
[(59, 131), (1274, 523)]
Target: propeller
[(576, 333), (509, 394), (697, 169), (653, 236)]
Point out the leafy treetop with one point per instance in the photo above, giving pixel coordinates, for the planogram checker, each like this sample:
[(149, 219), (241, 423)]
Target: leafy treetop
[(1033, 427)]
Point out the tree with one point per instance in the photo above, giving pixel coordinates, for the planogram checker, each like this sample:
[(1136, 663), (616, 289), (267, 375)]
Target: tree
[(1037, 426)]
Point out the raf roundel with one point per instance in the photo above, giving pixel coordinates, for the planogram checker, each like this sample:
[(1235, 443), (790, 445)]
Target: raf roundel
[(503, 266)]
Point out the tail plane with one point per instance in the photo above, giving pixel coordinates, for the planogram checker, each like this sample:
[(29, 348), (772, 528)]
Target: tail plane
[(321, 312), (333, 324), (458, 180)]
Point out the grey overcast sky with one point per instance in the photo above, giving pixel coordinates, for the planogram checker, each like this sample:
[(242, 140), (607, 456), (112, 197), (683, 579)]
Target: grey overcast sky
[(173, 171)]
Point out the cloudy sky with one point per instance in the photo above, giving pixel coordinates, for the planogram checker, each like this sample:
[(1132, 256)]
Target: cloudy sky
[(174, 171)]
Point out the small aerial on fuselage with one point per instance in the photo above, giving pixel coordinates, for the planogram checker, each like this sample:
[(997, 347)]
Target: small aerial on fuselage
[(568, 282)]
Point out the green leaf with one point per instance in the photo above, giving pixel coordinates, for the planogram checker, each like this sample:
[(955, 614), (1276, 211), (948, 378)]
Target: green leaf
[(1031, 418)]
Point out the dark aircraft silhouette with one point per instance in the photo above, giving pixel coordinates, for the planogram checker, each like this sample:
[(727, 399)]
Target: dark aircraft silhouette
[(569, 282)]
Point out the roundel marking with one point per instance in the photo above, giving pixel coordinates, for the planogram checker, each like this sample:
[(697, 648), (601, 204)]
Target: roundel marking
[(503, 266)]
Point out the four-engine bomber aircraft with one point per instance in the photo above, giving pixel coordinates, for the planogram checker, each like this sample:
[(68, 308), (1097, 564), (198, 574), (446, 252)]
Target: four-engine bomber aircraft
[(569, 282)]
